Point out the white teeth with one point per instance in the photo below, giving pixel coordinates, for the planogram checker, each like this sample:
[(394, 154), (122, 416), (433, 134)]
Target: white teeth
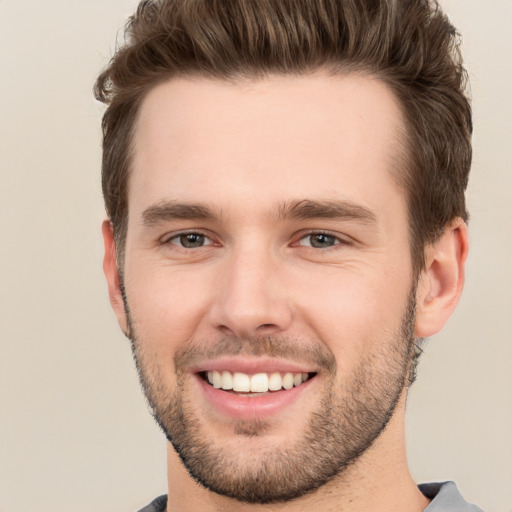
[(241, 382), (217, 379), (288, 381), (227, 380), (275, 382), (257, 383)]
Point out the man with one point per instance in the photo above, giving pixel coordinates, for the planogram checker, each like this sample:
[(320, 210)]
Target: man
[(284, 181)]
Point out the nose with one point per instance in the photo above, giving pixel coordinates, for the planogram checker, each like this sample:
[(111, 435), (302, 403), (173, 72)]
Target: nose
[(252, 298)]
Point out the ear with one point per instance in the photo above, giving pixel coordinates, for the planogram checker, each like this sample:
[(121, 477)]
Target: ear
[(112, 274), (441, 282)]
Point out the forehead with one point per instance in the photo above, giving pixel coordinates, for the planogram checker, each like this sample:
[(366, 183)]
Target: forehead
[(266, 141)]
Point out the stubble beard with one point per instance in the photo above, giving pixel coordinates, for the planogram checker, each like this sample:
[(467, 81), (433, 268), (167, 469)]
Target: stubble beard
[(348, 420)]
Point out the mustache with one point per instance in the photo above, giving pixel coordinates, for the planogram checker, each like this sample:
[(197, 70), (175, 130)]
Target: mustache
[(312, 352)]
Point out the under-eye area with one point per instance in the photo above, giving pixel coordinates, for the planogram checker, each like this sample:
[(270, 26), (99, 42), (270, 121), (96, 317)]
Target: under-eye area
[(238, 382)]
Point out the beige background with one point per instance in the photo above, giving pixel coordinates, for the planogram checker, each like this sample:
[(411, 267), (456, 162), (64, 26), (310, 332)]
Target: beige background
[(74, 430)]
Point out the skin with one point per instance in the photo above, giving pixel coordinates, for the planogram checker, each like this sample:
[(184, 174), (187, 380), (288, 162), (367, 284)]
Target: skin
[(244, 150)]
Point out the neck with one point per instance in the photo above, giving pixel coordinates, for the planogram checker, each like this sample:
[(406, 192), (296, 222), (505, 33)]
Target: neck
[(379, 481)]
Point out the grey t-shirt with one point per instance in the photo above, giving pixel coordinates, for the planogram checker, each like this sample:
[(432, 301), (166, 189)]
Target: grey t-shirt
[(445, 498)]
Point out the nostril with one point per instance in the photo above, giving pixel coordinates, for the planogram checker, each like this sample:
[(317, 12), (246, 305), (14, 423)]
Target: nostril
[(226, 330), (266, 329)]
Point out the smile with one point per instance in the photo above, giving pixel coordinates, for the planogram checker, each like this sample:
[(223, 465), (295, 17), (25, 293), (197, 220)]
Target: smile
[(250, 389), (239, 382)]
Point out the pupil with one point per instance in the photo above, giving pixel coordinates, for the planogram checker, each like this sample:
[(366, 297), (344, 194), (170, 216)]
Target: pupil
[(322, 240), (192, 240)]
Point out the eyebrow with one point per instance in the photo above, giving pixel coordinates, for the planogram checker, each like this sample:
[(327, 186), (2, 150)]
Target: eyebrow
[(168, 211), (305, 209), (308, 209)]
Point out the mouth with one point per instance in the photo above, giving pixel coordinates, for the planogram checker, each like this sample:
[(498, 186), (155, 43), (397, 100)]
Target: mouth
[(257, 384), (254, 388)]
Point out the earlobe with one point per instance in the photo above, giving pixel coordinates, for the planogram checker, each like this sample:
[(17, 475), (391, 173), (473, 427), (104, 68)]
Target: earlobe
[(112, 275), (441, 282)]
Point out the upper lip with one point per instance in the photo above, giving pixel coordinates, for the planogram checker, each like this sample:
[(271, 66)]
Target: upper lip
[(254, 365)]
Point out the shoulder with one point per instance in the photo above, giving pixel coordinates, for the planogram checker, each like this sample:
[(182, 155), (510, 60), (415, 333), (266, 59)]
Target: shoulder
[(446, 498), (157, 505)]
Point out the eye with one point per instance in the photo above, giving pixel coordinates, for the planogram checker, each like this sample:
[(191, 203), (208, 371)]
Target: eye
[(319, 240), (190, 240)]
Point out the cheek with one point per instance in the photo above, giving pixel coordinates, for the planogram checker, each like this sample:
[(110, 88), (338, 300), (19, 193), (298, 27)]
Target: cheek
[(167, 305), (352, 312)]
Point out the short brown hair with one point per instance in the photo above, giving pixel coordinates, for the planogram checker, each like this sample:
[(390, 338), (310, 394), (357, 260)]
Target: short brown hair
[(409, 44)]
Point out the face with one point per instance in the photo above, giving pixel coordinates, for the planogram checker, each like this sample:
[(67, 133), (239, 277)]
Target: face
[(267, 281)]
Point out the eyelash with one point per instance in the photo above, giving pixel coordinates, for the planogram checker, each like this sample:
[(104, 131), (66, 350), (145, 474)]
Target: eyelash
[(328, 234), (337, 239), (176, 236)]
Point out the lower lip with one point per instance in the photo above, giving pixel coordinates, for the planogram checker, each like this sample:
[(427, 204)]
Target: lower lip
[(252, 407)]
